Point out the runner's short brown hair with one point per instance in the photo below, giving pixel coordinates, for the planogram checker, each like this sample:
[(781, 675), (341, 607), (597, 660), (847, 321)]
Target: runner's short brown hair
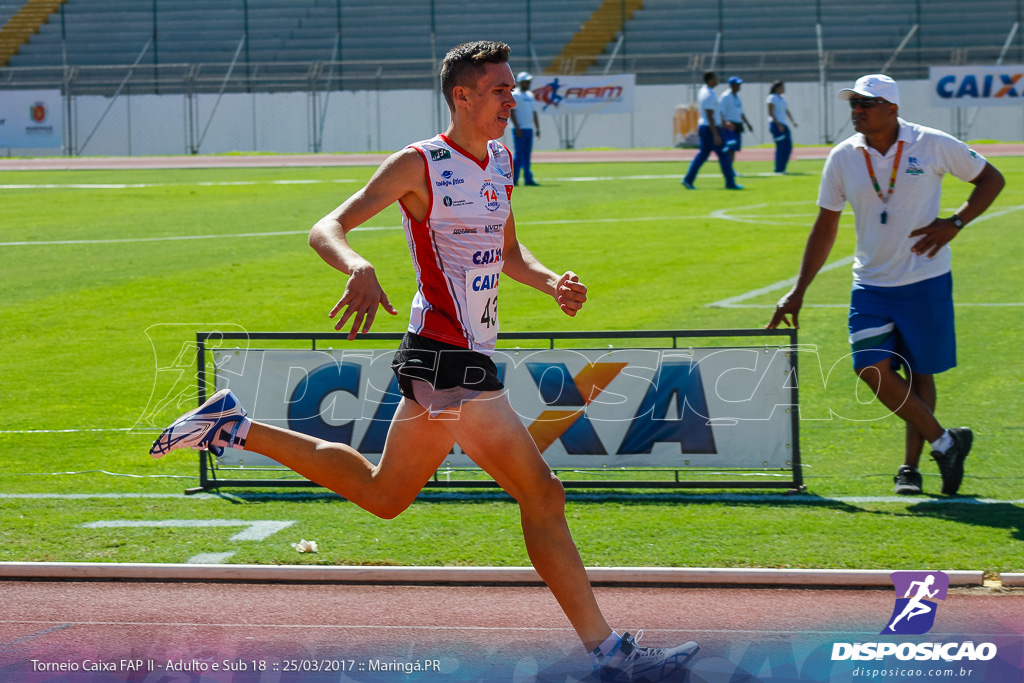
[(462, 63)]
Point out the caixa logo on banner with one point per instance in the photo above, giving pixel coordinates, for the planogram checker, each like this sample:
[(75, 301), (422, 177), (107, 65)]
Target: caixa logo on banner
[(564, 419), (628, 407), (977, 86)]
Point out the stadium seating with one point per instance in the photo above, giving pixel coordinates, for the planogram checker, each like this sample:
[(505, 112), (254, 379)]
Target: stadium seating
[(97, 32), (756, 35)]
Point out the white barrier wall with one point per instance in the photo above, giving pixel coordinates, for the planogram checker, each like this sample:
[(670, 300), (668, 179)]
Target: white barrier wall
[(389, 119)]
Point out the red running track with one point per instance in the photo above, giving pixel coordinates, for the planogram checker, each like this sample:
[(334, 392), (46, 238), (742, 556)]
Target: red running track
[(473, 633)]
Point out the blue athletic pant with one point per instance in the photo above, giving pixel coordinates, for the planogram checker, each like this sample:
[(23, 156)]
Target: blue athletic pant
[(783, 146), (523, 147), (707, 145)]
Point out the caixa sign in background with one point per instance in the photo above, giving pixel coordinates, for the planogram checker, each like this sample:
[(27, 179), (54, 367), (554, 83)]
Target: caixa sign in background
[(711, 407), (977, 86)]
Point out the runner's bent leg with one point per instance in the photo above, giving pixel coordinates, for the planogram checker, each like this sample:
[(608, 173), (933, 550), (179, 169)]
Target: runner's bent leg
[(494, 437), (415, 447)]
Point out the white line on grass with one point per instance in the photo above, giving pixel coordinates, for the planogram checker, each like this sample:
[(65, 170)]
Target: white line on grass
[(71, 431), (257, 530), (134, 186), (781, 284), (176, 238), (711, 497), (846, 305), (209, 558), (789, 282), (229, 183)]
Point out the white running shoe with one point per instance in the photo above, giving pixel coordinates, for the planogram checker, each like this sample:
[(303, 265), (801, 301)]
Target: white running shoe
[(628, 662), (198, 429)]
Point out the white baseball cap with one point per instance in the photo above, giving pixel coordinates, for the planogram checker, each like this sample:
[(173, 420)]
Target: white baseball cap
[(524, 76), (873, 85)]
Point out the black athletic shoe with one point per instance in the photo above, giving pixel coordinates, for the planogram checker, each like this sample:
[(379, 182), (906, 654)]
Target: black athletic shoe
[(951, 463), (908, 481)]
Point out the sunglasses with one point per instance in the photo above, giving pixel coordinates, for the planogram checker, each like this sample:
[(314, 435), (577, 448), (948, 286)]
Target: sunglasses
[(866, 102)]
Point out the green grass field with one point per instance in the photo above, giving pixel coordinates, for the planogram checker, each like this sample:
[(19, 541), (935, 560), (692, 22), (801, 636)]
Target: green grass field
[(78, 319)]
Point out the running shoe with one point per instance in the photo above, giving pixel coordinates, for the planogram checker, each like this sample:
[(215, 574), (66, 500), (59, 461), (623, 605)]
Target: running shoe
[(628, 662), (907, 480), (199, 428), (951, 463)]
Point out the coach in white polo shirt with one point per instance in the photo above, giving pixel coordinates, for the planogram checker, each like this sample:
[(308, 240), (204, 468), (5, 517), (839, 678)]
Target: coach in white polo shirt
[(901, 308)]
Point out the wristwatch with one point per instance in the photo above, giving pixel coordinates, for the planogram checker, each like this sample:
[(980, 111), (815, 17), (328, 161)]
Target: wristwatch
[(957, 221)]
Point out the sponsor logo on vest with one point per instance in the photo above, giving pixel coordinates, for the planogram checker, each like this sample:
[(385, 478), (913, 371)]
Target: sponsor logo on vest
[(489, 193), (447, 200), (439, 154), (464, 231), (493, 229), (484, 282), (482, 258)]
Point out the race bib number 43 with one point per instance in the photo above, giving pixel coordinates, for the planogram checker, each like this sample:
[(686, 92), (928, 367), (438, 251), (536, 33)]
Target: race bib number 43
[(482, 301)]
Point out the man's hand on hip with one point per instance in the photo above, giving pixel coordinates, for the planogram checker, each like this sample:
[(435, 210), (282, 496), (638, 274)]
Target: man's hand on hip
[(934, 236)]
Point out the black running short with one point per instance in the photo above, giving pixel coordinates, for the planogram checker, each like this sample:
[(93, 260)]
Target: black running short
[(442, 366)]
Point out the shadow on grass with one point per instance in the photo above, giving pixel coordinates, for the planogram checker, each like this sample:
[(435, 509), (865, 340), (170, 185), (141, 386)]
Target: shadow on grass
[(971, 511), (963, 510)]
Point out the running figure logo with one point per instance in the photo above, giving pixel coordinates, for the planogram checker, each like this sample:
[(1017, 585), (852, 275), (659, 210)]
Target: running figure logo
[(914, 613)]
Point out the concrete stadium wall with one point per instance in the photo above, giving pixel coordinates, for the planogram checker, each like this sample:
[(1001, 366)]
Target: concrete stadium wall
[(389, 119)]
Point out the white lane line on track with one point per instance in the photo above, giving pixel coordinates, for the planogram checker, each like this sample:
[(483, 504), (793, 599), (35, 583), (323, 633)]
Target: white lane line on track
[(420, 627), (6, 647)]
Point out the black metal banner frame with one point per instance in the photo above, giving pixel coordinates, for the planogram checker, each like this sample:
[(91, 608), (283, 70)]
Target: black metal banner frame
[(208, 472)]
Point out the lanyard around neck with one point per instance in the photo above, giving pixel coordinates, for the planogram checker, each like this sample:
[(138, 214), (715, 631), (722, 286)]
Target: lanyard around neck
[(892, 179)]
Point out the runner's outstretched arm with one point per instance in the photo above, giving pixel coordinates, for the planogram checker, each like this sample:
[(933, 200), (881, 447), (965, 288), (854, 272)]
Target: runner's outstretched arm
[(400, 178), (522, 266)]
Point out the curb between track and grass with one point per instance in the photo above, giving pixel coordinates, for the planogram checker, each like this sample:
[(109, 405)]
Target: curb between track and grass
[(680, 576)]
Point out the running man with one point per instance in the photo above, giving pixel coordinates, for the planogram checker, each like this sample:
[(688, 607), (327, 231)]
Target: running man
[(460, 235), (915, 607)]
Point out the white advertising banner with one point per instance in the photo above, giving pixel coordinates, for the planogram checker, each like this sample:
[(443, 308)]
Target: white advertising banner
[(613, 94), (31, 119), (977, 86), (721, 407)]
